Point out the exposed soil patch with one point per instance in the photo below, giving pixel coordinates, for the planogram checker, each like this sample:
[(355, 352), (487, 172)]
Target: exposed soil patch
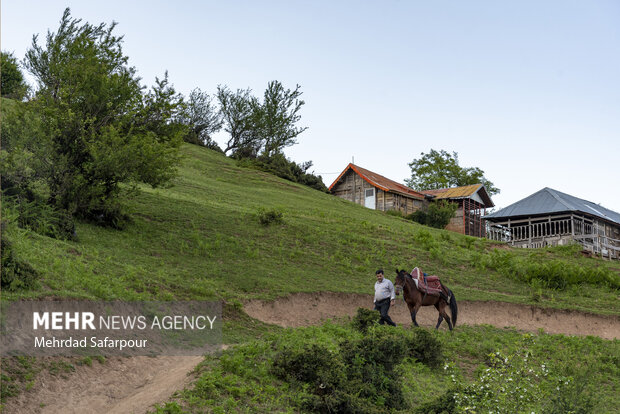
[(133, 385), (303, 309), (120, 385)]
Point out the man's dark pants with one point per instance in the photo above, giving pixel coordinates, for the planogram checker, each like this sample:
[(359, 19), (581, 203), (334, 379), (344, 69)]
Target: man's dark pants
[(383, 306)]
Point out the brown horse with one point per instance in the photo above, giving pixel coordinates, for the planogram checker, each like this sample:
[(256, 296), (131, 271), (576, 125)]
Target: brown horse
[(415, 298)]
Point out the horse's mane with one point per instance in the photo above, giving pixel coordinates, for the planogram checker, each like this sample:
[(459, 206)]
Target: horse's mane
[(405, 274)]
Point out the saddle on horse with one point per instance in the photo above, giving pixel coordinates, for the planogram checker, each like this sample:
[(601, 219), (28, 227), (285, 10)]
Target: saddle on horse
[(430, 285)]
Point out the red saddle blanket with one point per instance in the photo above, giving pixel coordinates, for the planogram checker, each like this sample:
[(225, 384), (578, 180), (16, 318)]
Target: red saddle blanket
[(428, 284)]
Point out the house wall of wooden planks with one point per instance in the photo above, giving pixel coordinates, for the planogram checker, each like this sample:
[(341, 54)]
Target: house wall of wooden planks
[(352, 187)]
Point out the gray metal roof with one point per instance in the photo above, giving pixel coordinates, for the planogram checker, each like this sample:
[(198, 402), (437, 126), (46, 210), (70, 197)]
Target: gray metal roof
[(548, 201)]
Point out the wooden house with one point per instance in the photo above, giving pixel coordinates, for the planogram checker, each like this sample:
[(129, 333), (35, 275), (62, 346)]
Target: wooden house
[(377, 192), (374, 191), (472, 201), (551, 218)]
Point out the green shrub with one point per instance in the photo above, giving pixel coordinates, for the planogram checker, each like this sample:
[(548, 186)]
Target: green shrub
[(360, 378), (425, 239), (553, 274), (313, 364), (267, 217), (365, 318), (571, 398), (16, 273), (279, 165), (382, 346), (437, 214), (370, 363), (42, 218), (426, 348)]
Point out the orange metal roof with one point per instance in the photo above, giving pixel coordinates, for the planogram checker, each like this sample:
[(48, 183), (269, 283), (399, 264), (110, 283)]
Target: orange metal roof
[(379, 181)]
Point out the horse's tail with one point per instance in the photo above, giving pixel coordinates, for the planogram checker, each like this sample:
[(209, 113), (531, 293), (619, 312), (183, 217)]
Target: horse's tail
[(454, 309)]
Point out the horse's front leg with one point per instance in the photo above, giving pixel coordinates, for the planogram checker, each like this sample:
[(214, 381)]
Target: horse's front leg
[(414, 312)]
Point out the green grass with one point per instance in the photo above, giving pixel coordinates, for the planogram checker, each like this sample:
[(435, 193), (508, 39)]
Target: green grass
[(242, 379), (202, 239)]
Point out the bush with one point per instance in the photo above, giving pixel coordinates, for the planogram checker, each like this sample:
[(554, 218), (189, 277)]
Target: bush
[(571, 398), (42, 218), (314, 364), (279, 165), (360, 378), (267, 217), (425, 239), (365, 318), (370, 363), (437, 214), (16, 274), (382, 347), (554, 274), (426, 348)]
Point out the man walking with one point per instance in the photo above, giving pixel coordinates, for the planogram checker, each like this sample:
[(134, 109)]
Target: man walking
[(384, 297)]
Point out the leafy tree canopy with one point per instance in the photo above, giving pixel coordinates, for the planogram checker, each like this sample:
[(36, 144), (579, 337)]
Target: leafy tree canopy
[(100, 128), (239, 112), (440, 169), (12, 84), (260, 128), (278, 116), (200, 114)]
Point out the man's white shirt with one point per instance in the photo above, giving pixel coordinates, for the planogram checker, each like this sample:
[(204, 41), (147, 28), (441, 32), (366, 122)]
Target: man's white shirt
[(384, 290)]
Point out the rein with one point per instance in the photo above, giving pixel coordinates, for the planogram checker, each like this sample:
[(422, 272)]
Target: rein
[(409, 278)]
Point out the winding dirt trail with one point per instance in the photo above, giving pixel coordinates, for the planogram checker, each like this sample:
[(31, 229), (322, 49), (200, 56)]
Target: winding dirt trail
[(134, 385), (304, 309), (119, 386)]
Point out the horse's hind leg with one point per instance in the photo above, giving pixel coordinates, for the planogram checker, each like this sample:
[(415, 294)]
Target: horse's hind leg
[(439, 321), (443, 315)]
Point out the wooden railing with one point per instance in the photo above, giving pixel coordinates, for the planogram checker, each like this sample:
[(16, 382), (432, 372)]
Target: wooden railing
[(529, 234)]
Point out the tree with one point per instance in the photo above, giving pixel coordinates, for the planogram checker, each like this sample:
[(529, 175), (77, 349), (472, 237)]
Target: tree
[(12, 83), (278, 115), (260, 128), (202, 118), (437, 170), (160, 110), (102, 129), (239, 111)]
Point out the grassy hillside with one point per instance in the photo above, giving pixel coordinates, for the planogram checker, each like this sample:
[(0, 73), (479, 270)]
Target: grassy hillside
[(484, 369), (202, 239)]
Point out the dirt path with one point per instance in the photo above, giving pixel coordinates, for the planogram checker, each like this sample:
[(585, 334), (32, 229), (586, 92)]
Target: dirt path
[(304, 309), (133, 385), (120, 385)]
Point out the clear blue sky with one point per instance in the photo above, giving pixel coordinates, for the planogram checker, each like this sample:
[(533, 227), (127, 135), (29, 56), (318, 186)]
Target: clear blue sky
[(528, 91)]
